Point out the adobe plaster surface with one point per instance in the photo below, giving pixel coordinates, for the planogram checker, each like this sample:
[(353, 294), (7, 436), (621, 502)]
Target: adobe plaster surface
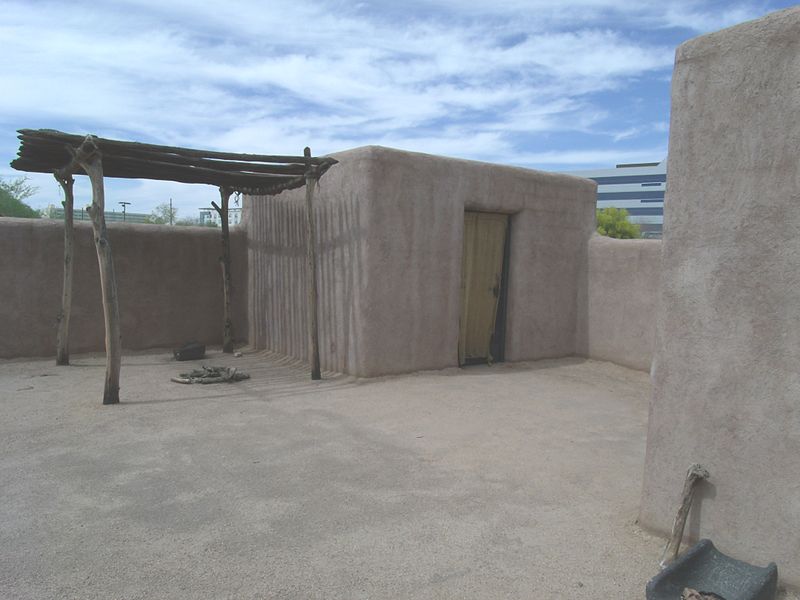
[(169, 281), (617, 320), (390, 226), (725, 373)]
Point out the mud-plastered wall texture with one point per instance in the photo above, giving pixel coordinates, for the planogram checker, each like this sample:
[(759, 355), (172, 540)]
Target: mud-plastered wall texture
[(169, 282), (390, 235), (726, 371), (620, 301)]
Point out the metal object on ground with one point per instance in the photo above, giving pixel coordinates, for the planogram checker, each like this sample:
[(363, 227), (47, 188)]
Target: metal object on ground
[(190, 351), (709, 571)]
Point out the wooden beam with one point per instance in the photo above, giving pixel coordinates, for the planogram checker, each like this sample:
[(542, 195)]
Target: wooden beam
[(225, 262), (89, 158), (139, 168), (104, 144), (248, 183), (252, 184), (45, 151), (62, 337), (239, 167), (48, 151), (311, 270)]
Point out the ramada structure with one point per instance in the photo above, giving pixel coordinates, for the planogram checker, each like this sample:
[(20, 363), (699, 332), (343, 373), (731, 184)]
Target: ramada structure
[(46, 151), (426, 262)]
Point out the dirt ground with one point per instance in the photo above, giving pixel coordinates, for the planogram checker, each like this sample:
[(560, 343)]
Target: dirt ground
[(511, 481)]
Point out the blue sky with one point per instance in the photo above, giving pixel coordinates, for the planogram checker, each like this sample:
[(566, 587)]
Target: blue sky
[(548, 85)]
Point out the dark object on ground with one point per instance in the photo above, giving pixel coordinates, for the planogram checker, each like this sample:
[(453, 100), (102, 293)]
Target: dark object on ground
[(211, 375), (705, 568), (190, 351)]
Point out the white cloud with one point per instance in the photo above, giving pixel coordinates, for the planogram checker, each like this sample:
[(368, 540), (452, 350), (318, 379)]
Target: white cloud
[(458, 77), (589, 158), (700, 19), (627, 133)]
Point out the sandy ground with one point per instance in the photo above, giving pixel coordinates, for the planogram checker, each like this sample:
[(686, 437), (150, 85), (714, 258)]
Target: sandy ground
[(511, 481)]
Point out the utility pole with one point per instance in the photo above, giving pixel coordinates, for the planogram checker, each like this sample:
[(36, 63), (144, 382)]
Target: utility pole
[(170, 211), (225, 261), (124, 206)]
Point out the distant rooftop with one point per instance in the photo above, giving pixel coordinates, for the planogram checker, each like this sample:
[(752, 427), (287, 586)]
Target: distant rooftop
[(647, 164)]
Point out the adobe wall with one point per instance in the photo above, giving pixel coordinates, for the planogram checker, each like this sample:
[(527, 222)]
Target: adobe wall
[(170, 286), (277, 266), (726, 372), (617, 321), (391, 227)]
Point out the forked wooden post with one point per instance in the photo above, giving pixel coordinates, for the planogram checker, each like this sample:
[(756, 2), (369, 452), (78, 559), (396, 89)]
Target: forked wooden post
[(311, 270), (225, 261), (88, 156), (66, 181)]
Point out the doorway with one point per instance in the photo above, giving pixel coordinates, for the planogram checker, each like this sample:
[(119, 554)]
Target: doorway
[(484, 282)]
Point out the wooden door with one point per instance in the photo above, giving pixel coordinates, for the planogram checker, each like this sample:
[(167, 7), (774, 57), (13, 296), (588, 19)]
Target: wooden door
[(481, 279)]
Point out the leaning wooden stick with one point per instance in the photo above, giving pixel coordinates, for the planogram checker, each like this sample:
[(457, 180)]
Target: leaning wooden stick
[(695, 473)]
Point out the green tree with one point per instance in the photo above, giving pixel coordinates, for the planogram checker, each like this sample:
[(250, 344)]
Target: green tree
[(12, 199), (163, 214), (613, 222)]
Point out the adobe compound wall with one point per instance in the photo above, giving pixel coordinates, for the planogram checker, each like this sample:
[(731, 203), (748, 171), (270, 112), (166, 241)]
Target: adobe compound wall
[(169, 281), (726, 371), (390, 226), (277, 274), (619, 303)]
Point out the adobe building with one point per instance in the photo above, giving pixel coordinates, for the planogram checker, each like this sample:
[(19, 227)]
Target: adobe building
[(427, 262), (424, 262)]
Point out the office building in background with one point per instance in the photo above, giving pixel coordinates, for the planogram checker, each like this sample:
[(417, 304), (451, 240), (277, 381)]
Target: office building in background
[(638, 188)]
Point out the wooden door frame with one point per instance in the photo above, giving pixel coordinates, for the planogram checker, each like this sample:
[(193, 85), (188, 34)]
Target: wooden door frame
[(497, 345)]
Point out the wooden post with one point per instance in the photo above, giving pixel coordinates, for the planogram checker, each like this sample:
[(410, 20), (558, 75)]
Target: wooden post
[(225, 261), (693, 475), (88, 156), (62, 339), (311, 268)]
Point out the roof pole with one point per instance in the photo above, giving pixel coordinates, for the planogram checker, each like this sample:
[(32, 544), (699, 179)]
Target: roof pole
[(225, 262), (311, 267), (89, 158), (66, 181)]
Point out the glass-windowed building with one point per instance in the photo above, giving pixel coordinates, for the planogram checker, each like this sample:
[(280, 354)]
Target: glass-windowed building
[(638, 188)]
